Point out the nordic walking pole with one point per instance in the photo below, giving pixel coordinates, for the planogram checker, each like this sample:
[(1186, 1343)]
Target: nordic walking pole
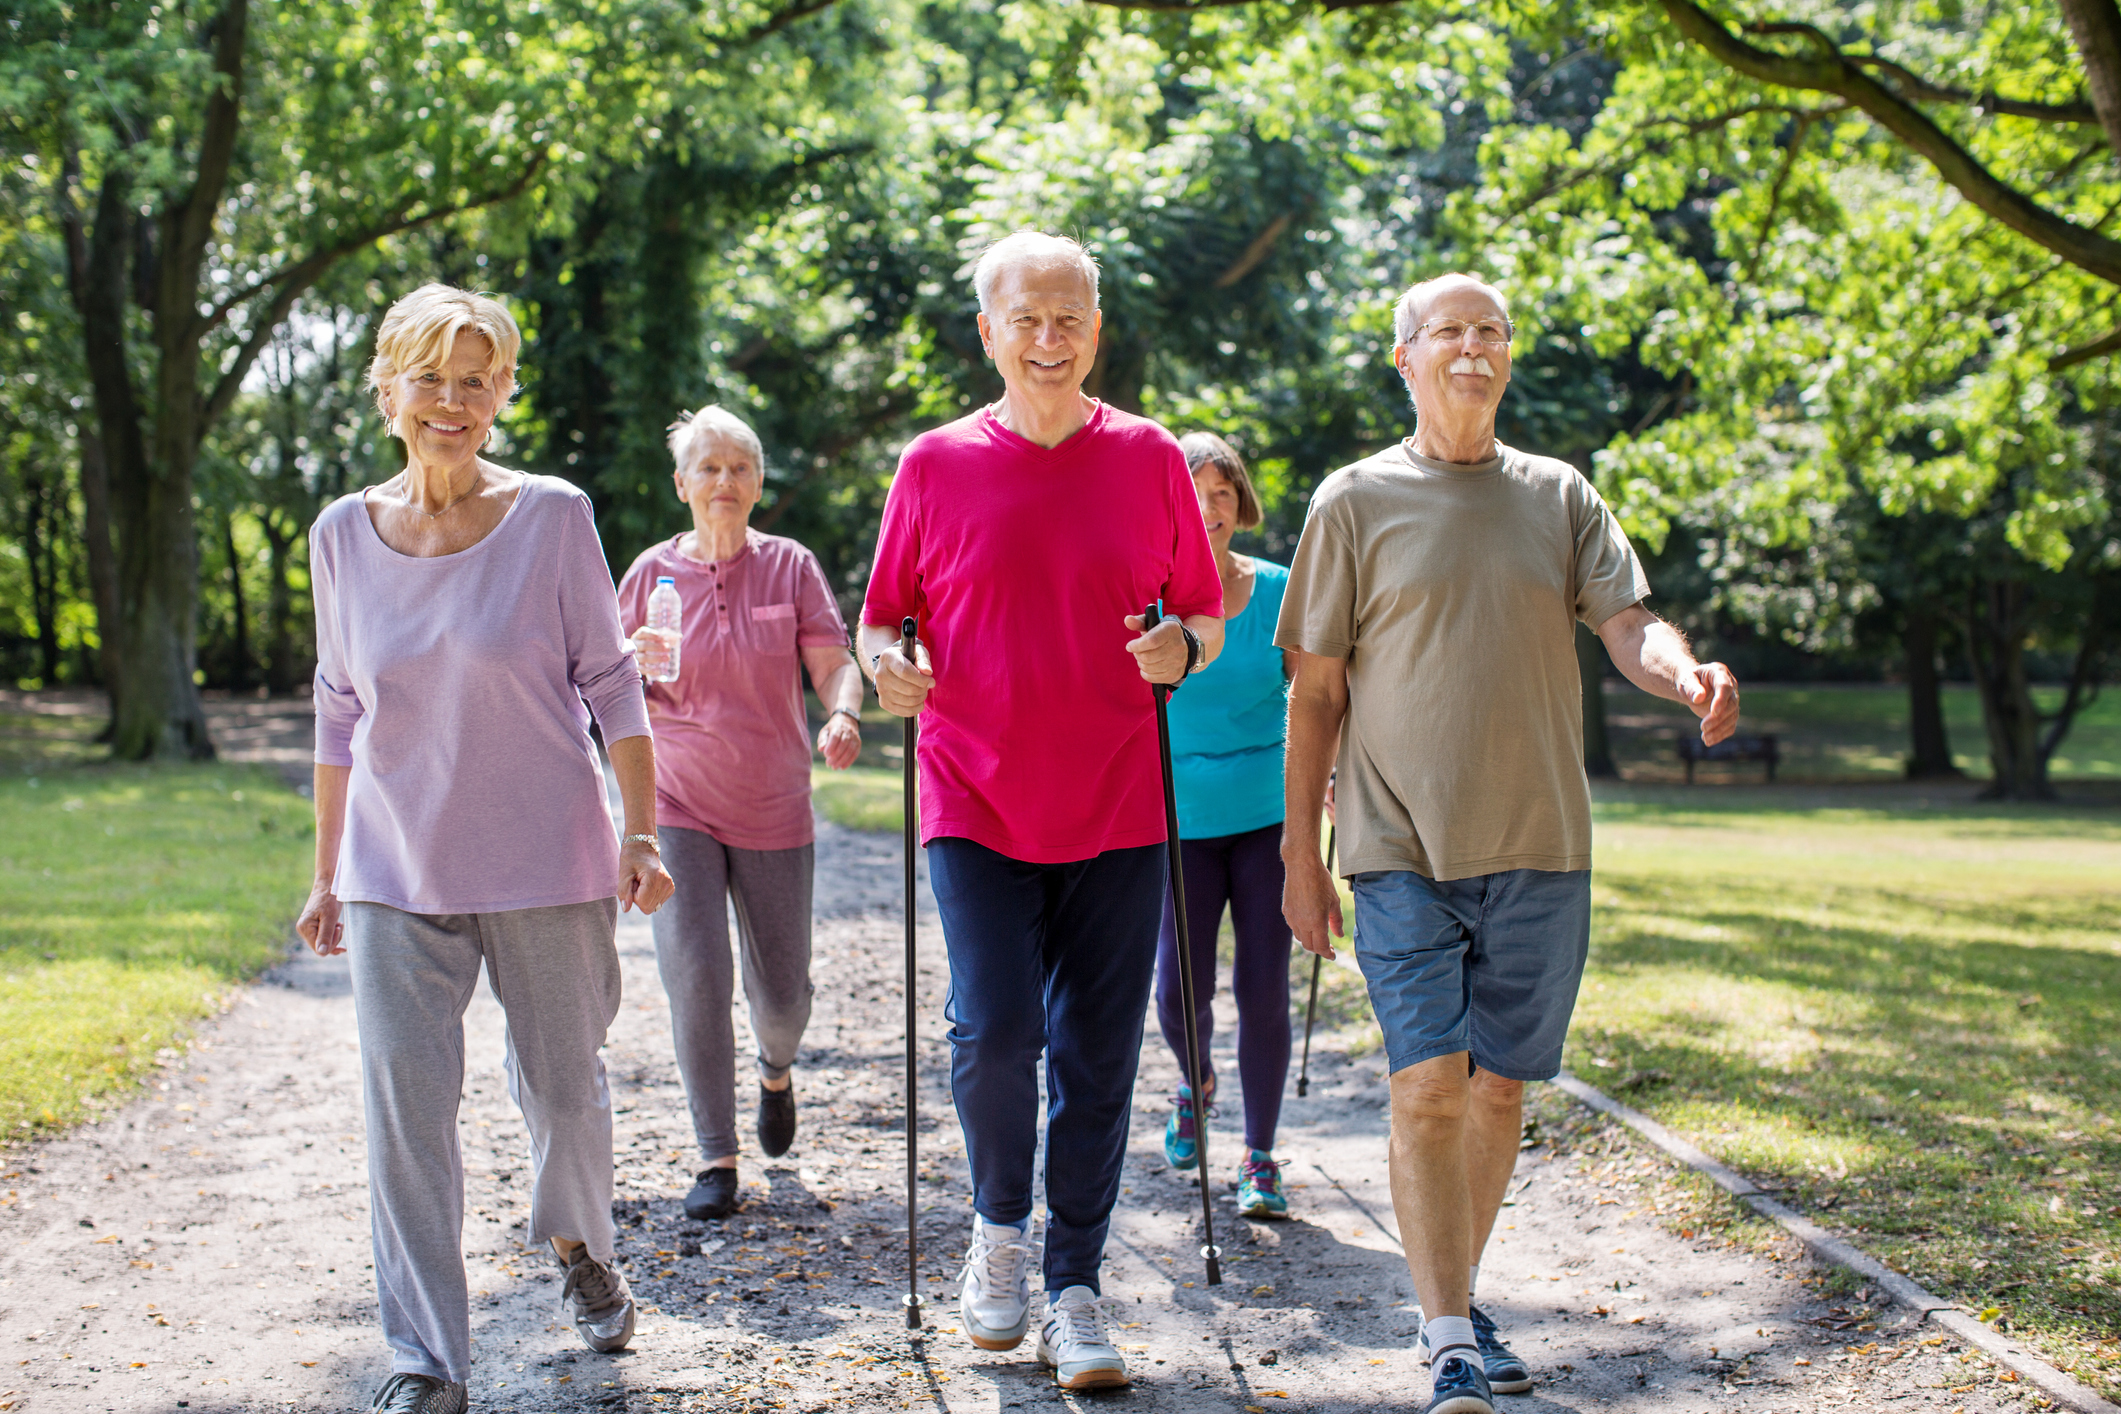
[(906, 644), (1303, 1076), (1151, 617)]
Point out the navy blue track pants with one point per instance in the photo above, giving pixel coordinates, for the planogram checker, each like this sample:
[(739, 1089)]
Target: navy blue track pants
[(1053, 959)]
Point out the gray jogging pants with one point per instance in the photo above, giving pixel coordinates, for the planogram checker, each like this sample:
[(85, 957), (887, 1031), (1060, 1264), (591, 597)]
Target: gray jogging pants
[(555, 972), (771, 889)]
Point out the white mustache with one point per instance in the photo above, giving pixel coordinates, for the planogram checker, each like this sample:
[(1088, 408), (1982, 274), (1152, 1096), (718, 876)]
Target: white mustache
[(1473, 365)]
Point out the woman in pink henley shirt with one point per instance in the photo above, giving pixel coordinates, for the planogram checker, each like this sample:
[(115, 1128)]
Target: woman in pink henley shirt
[(466, 630), (732, 799)]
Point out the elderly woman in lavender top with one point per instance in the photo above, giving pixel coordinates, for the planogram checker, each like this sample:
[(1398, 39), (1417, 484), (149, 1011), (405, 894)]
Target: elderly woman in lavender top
[(733, 782), (465, 616)]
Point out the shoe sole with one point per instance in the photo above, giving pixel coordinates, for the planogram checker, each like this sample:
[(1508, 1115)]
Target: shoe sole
[(1183, 1165), (608, 1347), (1261, 1210), (1093, 1379), (990, 1338)]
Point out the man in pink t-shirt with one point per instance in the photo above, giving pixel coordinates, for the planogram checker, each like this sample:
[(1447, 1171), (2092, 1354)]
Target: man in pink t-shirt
[(1025, 540)]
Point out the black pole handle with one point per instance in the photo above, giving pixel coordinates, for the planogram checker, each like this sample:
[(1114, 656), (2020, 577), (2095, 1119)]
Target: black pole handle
[(907, 643), (1151, 617)]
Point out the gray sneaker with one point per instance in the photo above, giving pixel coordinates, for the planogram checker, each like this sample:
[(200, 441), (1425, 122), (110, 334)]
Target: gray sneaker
[(598, 1300), (418, 1394), (1076, 1341)]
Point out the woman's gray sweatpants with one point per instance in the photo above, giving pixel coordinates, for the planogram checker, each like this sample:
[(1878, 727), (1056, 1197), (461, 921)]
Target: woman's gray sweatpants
[(771, 889), (555, 972)]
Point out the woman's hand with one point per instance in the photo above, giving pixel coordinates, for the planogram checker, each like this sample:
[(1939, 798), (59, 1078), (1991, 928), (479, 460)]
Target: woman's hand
[(319, 925), (839, 741), (1160, 652), (643, 882)]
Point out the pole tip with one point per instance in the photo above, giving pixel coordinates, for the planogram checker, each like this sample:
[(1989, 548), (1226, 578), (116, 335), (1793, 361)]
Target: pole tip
[(913, 1311), (1303, 1087), (1215, 1272)]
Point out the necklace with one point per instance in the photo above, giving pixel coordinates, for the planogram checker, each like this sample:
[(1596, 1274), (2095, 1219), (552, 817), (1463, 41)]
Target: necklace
[(446, 505)]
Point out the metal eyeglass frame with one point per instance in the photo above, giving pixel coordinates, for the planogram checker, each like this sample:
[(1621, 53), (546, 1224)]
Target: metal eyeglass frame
[(1509, 329)]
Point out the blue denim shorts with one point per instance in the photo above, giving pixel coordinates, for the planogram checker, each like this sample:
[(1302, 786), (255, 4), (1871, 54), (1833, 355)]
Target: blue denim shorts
[(1489, 965)]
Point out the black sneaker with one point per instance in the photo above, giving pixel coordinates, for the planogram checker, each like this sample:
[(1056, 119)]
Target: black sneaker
[(418, 1394), (1461, 1386), (1506, 1373), (713, 1195), (776, 1120)]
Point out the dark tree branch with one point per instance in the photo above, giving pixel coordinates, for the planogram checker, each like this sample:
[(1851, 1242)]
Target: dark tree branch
[(1835, 73), (189, 226), (1921, 90), (1626, 155), (801, 10), (1782, 178), (293, 281), (2085, 352)]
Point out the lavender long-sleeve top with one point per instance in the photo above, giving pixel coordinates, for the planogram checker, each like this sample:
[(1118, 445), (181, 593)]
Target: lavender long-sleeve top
[(458, 688)]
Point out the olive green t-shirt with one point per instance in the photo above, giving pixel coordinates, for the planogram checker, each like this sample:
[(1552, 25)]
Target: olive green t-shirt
[(1454, 592)]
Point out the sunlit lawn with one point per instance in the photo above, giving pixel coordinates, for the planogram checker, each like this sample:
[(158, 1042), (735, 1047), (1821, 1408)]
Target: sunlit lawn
[(1905, 1018), (131, 898)]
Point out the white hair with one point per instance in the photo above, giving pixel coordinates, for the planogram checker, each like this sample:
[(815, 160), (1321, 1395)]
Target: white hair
[(1412, 311), (1027, 245), (692, 428)]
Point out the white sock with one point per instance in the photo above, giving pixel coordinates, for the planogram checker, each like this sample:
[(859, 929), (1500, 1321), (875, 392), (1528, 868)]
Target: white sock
[(1446, 1332), (1472, 1280)]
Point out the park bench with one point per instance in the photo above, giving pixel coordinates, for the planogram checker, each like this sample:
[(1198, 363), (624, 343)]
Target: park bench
[(1737, 748)]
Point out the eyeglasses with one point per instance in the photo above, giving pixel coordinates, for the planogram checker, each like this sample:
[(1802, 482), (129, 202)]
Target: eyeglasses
[(1492, 332)]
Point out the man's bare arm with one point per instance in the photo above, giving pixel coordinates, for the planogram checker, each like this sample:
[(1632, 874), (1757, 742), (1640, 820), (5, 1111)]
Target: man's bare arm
[(1318, 705), (1654, 656)]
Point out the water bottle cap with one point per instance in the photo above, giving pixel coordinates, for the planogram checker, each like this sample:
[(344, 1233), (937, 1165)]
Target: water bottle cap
[(665, 579)]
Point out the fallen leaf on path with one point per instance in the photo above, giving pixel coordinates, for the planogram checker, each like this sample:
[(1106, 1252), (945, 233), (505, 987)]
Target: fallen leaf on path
[(101, 1240)]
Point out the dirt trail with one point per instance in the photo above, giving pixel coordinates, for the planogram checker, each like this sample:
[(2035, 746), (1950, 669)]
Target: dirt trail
[(206, 1247)]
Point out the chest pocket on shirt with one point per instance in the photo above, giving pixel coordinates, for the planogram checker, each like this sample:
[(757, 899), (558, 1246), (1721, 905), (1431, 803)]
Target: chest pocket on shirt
[(772, 629)]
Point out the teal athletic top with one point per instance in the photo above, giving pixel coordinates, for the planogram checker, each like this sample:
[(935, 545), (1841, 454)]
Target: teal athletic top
[(1227, 723)]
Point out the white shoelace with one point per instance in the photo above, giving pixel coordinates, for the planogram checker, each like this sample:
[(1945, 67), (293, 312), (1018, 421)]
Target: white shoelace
[(1082, 1322), (993, 1259)]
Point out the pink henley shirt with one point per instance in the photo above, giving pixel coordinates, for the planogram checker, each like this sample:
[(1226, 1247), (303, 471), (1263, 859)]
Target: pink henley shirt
[(732, 745), (458, 688), (1020, 562)]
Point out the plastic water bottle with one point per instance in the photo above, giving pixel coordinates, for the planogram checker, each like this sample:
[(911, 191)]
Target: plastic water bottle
[(666, 623)]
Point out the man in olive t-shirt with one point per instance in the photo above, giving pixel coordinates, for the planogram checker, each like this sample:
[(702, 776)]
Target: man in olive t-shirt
[(1432, 605)]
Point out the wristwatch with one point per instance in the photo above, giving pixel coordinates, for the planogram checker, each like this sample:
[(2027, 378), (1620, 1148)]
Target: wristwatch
[(849, 713), (650, 840)]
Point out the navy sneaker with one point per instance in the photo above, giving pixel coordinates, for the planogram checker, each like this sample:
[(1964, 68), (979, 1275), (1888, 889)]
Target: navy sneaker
[(1461, 1386), (1506, 1373)]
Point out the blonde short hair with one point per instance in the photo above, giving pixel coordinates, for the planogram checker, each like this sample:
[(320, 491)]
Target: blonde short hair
[(1413, 308), (420, 331), (1205, 449), (1027, 245), (692, 428)]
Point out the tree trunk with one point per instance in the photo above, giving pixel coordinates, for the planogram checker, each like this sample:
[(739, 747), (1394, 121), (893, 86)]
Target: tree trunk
[(1930, 749), (40, 546), (239, 672), (2096, 26), (102, 566), (279, 612), (1598, 761), (1996, 631), (159, 713)]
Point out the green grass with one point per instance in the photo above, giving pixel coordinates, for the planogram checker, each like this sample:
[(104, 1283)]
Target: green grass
[(1854, 732), (131, 898), (860, 797), (1901, 1017)]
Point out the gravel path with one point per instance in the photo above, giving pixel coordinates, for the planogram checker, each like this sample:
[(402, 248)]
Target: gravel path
[(206, 1248)]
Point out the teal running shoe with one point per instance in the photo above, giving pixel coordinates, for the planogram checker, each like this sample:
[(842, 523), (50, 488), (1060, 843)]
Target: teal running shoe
[(1259, 1192), (1181, 1142)]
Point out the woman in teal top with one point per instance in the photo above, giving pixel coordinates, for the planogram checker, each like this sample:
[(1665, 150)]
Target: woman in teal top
[(1226, 748)]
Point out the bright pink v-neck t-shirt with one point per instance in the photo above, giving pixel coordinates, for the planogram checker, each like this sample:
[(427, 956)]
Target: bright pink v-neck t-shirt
[(1020, 563), (732, 745)]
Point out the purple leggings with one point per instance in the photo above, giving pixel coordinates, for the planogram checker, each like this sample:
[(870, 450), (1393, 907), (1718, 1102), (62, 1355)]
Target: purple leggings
[(1244, 872)]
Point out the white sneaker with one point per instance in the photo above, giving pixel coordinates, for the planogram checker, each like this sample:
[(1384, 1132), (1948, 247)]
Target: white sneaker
[(995, 1301), (1074, 1343)]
